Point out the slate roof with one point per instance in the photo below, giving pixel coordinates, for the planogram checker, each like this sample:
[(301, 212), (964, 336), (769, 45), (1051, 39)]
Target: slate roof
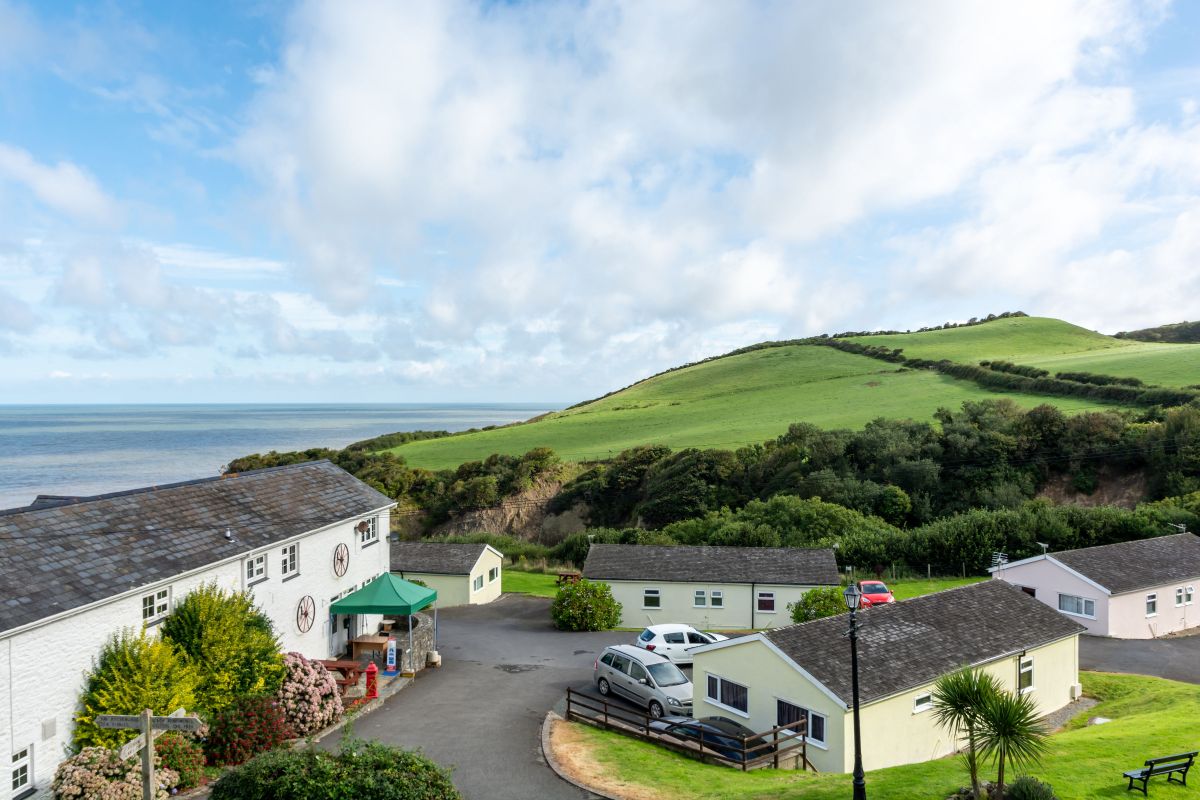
[(779, 565), (1129, 566), (913, 642), (81, 550), (441, 558)]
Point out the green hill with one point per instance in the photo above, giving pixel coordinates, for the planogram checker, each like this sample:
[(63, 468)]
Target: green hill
[(753, 396)]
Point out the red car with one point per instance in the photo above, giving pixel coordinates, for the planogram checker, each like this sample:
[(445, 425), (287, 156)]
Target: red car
[(874, 593)]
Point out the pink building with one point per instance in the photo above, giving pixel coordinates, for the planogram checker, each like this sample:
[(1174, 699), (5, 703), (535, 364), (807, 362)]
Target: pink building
[(1132, 590)]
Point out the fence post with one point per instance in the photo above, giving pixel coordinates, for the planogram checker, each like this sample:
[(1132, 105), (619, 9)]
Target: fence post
[(745, 755), (776, 759), (928, 572)]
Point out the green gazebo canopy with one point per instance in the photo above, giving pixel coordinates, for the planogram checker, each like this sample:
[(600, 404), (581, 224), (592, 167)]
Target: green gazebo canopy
[(387, 594)]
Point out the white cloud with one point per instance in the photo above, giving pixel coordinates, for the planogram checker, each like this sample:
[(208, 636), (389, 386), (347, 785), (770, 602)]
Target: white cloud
[(63, 187)]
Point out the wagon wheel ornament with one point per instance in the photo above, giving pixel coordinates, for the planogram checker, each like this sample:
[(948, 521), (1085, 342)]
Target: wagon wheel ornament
[(341, 559), (305, 612)]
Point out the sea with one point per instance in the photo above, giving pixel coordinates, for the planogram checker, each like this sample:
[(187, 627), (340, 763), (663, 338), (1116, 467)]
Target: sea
[(93, 449)]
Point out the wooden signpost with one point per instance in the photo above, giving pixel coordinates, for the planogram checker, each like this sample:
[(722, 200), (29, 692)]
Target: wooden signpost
[(151, 728)]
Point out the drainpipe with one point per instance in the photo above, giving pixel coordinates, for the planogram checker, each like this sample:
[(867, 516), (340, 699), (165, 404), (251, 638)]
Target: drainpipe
[(1017, 685), (753, 604)]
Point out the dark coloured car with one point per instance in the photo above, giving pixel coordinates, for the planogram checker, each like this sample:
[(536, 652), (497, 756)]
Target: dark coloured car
[(722, 735)]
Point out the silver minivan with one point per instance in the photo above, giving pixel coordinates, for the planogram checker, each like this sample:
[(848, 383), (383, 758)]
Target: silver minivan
[(646, 678)]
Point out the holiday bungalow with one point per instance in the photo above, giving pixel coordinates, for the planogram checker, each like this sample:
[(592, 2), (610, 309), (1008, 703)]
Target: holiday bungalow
[(462, 574), (1131, 590), (74, 571)]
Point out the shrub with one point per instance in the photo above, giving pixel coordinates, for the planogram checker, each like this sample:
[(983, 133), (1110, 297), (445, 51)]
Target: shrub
[(309, 697), (1027, 788), (97, 773), (183, 755), (244, 728), (230, 642), (585, 606), (133, 672), (359, 770), (818, 603)]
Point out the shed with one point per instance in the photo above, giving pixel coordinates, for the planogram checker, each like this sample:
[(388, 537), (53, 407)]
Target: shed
[(1131, 590), (462, 574)]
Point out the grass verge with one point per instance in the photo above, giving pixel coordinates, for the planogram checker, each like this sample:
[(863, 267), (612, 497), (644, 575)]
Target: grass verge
[(539, 584)]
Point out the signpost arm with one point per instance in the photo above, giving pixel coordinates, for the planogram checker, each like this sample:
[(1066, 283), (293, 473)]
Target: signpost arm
[(148, 756)]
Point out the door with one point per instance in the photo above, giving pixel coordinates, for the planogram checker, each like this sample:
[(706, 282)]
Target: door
[(338, 639), (618, 676), (639, 683), (674, 646)]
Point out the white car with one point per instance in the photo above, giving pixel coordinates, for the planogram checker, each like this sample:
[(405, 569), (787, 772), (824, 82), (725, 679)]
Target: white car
[(675, 641)]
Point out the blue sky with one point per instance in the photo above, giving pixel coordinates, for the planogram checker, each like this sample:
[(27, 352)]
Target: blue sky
[(468, 202)]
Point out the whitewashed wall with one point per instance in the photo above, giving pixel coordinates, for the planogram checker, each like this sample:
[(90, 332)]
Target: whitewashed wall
[(42, 668)]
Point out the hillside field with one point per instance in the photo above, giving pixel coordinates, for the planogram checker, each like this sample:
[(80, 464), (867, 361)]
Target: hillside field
[(727, 403)]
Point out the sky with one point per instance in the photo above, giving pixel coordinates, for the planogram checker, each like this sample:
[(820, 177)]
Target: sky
[(521, 201)]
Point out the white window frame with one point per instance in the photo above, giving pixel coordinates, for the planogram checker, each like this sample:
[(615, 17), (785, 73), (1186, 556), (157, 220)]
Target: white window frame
[(21, 760), (371, 534), (922, 702), (1152, 599), (1083, 604), (1025, 666), (256, 568), (1189, 592), (699, 599), (289, 564), (493, 574), (716, 598), (1179, 597), (160, 605), (808, 726), (652, 593), (759, 597), (477, 583), (716, 701)]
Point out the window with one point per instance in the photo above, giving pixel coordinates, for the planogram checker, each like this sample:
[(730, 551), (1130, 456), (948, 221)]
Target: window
[(651, 599), (717, 599), (1151, 605), (1025, 676), (21, 763), (1187, 595), (256, 568), (289, 563), (729, 694), (637, 672), (675, 637), (607, 658), (796, 717), (695, 637), (155, 606), (477, 584), (1179, 596), (370, 533), (922, 702), (493, 573), (701, 598), (766, 602), (1079, 606)]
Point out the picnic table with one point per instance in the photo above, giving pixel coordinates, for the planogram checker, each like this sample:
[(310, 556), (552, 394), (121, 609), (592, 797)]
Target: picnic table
[(563, 578), (348, 669)]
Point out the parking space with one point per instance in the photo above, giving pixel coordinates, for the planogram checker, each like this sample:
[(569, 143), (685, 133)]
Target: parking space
[(1174, 657)]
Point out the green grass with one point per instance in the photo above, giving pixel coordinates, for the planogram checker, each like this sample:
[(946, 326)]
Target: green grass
[(727, 403), (539, 584), (1151, 717), (906, 588)]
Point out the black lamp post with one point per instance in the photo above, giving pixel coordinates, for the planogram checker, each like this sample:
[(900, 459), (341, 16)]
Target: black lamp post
[(853, 598)]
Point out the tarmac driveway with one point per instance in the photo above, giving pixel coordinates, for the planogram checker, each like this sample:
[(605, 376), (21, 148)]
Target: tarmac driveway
[(1175, 657), (503, 667)]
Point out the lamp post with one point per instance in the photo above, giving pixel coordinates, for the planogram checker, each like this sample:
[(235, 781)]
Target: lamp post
[(853, 598)]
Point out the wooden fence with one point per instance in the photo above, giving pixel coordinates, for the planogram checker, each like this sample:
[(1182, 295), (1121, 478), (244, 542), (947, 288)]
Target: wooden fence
[(779, 744)]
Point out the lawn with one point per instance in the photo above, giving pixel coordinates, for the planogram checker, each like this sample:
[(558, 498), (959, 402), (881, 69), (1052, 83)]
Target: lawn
[(728, 403), (539, 584), (1151, 717), (906, 588)]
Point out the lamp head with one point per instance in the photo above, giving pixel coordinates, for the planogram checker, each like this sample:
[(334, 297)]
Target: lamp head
[(853, 597)]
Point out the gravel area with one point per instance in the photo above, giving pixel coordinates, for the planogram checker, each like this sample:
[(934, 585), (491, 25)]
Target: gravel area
[(1065, 714)]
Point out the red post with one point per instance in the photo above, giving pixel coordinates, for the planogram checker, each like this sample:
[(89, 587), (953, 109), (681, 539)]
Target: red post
[(372, 681)]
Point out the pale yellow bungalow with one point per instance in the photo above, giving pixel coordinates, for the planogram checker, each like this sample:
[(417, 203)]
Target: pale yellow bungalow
[(462, 574), (710, 588), (801, 673)]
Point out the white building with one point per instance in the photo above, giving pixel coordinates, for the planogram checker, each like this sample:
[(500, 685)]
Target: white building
[(1131, 590), (462, 574), (75, 571), (711, 588)]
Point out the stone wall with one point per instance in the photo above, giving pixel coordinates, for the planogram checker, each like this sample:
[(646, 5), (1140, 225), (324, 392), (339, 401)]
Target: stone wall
[(422, 639)]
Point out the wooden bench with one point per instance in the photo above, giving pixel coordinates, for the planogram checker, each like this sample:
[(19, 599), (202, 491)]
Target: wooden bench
[(1166, 765)]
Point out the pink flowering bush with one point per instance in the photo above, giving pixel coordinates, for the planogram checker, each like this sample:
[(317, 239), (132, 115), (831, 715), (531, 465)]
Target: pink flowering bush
[(97, 773), (309, 697)]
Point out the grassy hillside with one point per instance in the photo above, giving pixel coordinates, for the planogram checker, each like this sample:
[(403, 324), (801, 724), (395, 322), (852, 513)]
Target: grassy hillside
[(730, 402), (1054, 345)]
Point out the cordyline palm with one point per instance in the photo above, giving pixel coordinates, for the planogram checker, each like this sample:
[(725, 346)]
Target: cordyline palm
[(1011, 730), (958, 699)]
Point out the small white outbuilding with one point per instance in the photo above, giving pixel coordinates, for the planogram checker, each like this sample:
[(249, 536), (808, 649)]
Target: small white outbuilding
[(462, 574)]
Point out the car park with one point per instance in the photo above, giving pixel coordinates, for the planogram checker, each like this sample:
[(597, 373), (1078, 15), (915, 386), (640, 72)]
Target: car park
[(874, 593), (644, 678), (675, 641), (722, 735)]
